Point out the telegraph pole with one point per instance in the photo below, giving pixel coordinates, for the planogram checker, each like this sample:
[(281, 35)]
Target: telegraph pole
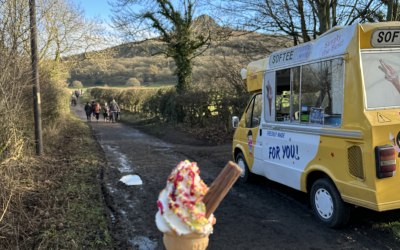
[(35, 79)]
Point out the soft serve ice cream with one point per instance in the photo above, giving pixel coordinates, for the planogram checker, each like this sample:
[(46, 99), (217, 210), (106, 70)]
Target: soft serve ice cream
[(180, 204)]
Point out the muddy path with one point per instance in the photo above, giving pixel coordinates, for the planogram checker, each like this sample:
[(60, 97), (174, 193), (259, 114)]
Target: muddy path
[(259, 215)]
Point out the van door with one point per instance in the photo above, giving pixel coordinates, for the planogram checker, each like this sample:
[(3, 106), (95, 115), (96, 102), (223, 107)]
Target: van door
[(248, 135)]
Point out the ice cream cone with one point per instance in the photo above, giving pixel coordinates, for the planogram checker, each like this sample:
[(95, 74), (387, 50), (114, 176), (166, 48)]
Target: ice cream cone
[(193, 241)]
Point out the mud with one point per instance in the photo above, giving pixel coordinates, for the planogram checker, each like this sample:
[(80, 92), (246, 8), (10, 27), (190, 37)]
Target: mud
[(258, 215)]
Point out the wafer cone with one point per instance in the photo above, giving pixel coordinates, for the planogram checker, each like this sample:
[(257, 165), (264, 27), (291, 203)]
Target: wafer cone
[(221, 186), (193, 241)]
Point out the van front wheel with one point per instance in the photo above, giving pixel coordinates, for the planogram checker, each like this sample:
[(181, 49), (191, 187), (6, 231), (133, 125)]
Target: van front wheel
[(245, 176), (327, 204)]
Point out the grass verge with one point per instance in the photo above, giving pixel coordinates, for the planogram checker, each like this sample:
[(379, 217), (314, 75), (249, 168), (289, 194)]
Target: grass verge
[(56, 200)]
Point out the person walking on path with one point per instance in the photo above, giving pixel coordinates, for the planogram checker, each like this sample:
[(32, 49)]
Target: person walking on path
[(114, 109), (93, 107), (88, 111), (96, 110), (106, 110), (74, 99)]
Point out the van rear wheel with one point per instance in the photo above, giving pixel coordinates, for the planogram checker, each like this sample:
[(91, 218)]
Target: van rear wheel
[(246, 175), (327, 204)]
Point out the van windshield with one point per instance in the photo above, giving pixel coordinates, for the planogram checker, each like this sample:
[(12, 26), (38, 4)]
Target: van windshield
[(381, 71)]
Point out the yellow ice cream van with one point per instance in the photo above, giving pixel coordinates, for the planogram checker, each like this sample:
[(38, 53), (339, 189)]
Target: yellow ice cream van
[(325, 119)]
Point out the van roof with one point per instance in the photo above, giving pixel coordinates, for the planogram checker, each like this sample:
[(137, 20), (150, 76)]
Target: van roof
[(334, 42)]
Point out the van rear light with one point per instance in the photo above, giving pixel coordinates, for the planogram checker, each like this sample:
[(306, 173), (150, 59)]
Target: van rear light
[(385, 161)]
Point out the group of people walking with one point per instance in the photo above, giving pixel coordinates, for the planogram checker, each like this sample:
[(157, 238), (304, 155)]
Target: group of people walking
[(110, 111)]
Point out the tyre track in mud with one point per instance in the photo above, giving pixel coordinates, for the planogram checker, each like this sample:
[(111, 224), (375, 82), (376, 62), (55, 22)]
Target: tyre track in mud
[(258, 215)]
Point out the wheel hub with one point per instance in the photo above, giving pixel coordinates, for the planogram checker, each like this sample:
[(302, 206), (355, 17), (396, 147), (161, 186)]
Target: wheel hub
[(323, 203)]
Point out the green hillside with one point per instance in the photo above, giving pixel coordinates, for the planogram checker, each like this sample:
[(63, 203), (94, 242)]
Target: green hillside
[(141, 63)]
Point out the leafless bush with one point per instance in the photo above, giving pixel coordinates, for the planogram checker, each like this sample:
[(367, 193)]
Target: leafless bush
[(13, 82), (19, 219), (14, 136)]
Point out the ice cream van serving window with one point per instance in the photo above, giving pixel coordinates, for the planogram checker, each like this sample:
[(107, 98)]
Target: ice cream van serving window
[(310, 94)]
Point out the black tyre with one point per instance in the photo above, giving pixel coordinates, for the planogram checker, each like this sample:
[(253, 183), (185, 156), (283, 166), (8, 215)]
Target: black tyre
[(327, 204), (246, 174)]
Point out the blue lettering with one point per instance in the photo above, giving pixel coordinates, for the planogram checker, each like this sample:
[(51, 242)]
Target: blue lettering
[(275, 134), (283, 57), (277, 152), (292, 151), (274, 153), (285, 151), (288, 152), (271, 152)]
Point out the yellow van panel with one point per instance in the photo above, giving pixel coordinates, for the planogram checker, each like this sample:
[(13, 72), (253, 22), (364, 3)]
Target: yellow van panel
[(255, 74), (368, 28)]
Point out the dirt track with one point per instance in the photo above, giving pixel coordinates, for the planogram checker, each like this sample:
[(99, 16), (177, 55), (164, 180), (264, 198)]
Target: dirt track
[(259, 215)]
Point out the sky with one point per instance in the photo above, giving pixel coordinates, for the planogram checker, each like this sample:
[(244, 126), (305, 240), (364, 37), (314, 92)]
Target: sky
[(95, 8), (99, 10)]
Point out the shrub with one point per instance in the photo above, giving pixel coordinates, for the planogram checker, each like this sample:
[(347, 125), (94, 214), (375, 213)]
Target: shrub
[(132, 82), (199, 107), (76, 84)]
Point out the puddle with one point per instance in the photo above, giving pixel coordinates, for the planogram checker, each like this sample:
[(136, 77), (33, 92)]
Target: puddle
[(131, 180), (143, 243), (124, 165)]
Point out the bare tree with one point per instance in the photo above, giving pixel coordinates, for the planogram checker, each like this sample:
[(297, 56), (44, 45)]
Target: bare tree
[(392, 10), (64, 30), (302, 19), (14, 21)]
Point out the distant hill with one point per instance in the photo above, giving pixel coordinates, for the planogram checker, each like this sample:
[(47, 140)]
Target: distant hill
[(142, 63)]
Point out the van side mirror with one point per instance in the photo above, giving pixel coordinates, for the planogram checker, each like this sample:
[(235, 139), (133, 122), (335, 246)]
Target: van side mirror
[(235, 121), (256, 121)]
